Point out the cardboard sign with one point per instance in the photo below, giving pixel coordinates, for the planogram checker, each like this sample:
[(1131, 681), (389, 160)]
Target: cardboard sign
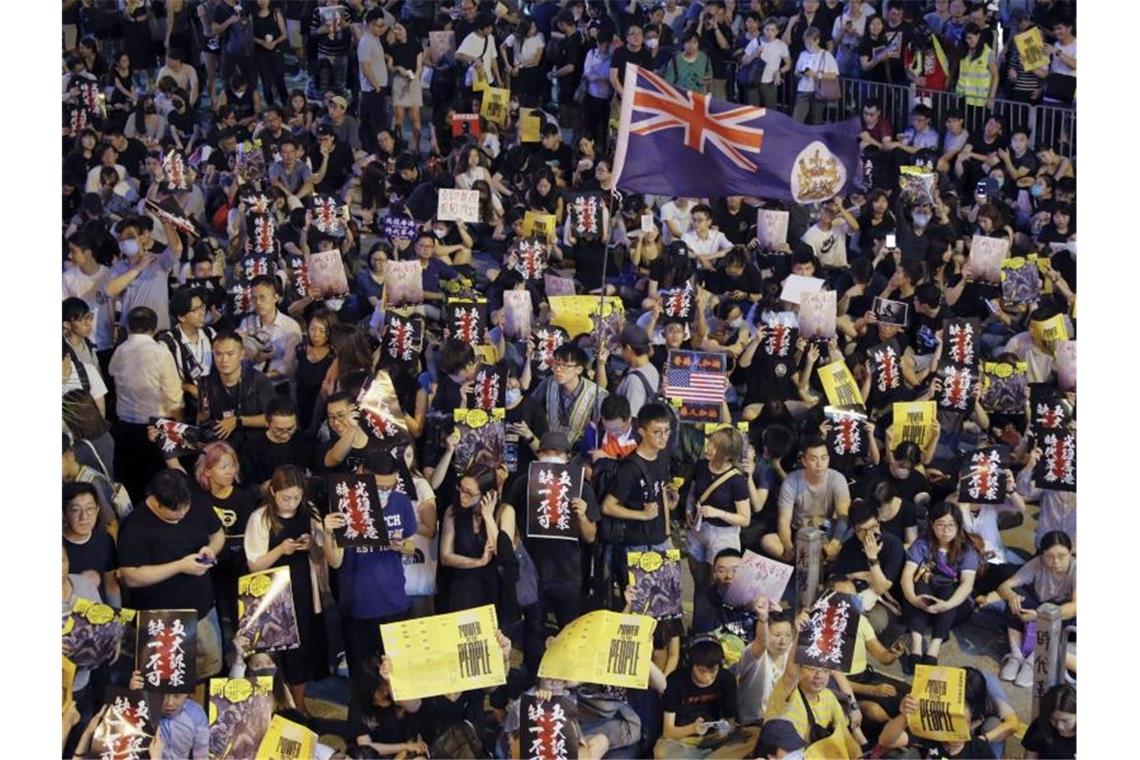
[(458, 205), (1031, 49), (757, 577), (517, 313), (796, 285), (441, 654), (1049, 333), (286, 740), (530, 125), (573, 313), (482, 438), (960, 342), (326, 273), (1065, 362), (986, 256), (884, 364), (656, 580), (441, 48), (817, 315), (914, 421), (403, 336), (547, 728), (1020, 281), (695, 383), (771, 228), (128, 727), (958, 388), (539, 225), (267, 619), (558, 286), (91, 633), (166, 650), (239, 712), (828, 639), (545, 340), (602, 647), (839, 385), (888, 312), (466, 124), (1057, 468), (494, 105), (550, 489), (941, 694), (355, 497), (983, 478), (468, 319), (403, 283), (1005, 387)]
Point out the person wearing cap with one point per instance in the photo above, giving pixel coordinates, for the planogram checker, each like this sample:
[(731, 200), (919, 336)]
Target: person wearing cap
[(558, 563), (642, 380), (371, 578), (779, 740), (345, 127), (479, 49), (335, 162)]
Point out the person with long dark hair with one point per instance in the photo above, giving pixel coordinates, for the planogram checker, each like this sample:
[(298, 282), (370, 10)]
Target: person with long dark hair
[(1053, 733)]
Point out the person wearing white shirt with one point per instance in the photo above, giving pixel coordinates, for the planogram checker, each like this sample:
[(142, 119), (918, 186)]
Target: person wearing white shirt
[(982, 521), (777, 61), (706, 244), (479, 46), (282, 331), (80, 366), (847, 32), (146, 385), (676, 219), (85, 278), (828, 236), (813, 64)]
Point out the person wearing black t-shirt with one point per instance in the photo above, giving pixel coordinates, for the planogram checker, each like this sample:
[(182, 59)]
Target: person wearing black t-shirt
[(90, 549), (280, 444), (350, 448), (166, 548), (732, 217), (1053, 733), (234, 397), (633, 52), (872, 558), (333, 160), (695, 697)]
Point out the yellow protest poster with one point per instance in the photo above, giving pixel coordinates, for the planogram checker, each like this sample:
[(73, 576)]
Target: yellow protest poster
[(839, 385), (1049, 333), (530, 125), (286, 740), (538, 224), (602, 647), (486, 354), (1031, 49), (712, 427), (68, 679), (941, 694), (914, 421), (479, 79), (572, 313), (494, 105), (444, 653)]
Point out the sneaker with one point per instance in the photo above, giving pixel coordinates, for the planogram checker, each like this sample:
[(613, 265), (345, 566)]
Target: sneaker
[(1010, 667), (1025, 674), (907, 661)]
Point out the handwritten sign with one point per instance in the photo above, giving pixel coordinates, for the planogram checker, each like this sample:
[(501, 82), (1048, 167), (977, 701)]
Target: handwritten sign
[(941, 694), (757, 577), (403, 283), (817, 315), (458, 205), (986, 256), (441, 48), (771, 228), (441, 654), (573, 313), (517, 313), (602, 647)]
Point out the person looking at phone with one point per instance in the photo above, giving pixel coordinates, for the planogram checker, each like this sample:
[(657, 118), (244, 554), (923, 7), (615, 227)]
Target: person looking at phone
[(165, 551), (699, 700), (937, 581)]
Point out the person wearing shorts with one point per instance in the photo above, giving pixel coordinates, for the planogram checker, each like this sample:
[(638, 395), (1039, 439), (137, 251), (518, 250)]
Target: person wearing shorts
[(718, 505)]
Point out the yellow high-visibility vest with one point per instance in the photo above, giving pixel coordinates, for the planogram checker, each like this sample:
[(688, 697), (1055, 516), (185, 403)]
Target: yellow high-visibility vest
[(974, 78)]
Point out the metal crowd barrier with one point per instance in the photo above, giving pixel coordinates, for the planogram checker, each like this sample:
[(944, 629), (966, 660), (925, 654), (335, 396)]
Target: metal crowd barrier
[(1048, 124)]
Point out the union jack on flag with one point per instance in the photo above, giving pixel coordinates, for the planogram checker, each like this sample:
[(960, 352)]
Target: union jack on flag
[(660, 106)]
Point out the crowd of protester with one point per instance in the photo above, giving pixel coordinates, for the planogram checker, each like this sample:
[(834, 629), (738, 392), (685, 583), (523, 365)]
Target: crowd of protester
[(152, 329)]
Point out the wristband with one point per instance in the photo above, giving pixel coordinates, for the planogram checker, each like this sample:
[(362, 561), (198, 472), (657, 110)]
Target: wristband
[(873, 562)]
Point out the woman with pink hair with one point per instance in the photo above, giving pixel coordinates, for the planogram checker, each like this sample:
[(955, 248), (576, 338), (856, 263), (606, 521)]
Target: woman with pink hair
[(218, 487)]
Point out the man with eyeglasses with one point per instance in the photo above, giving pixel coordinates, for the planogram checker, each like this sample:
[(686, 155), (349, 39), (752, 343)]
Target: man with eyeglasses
[(568, 398), (871, 559), (189, 343), (350, 447), (166, 549), (90, 548), (278, 445), (80, 364)]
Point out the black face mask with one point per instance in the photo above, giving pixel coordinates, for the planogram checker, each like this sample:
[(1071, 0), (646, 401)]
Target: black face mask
[(262, 672)]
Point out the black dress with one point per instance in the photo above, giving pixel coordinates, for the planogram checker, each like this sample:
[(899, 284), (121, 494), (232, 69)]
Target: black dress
[(475, 586), (300, 665), (308, 381)]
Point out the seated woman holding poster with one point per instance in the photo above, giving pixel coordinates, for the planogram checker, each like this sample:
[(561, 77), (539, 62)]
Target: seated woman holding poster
[(895, 734), (937, 582)]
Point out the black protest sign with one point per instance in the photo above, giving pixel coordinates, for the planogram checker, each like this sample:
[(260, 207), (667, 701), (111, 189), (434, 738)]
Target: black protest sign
[(828, 639), (1056, 470), (586, 215), (983, 478), (403, 336), (846, 438), (550, 489), (380, 413), (884, 363), (166, 650), (678, 304), (1050, 412), (547, 728), (960, 342), (489, 387), (355, 497), (468, 319), (127, 728), (544, 341), (959, 385)]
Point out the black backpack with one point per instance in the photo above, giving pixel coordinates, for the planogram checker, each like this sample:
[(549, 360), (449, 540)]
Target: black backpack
[(239, 40)]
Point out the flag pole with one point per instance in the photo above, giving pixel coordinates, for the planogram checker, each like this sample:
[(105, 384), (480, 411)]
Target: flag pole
[(613, 205)]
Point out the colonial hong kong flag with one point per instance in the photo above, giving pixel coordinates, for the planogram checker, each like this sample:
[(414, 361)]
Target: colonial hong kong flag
[(675, 142)]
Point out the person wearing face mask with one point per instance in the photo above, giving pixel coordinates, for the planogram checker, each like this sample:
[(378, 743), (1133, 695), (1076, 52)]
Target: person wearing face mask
[(558, 563), (140, 277)]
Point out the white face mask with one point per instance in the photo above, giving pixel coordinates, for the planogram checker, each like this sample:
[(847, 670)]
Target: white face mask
[(514, 395), (334, 304), (921, 220), (553, 460), (735, 324), (651, 43), (129, 247)]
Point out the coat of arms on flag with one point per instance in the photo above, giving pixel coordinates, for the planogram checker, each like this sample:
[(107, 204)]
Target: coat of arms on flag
[(695, 383)]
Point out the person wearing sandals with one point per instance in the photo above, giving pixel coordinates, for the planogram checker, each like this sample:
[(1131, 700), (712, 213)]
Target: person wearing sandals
[(1050, 577)]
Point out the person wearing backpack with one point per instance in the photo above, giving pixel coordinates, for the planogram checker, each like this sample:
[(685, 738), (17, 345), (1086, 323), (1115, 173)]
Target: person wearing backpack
[(642, 380), (189, 341), (690, 69), (235, 30), (81, 366)]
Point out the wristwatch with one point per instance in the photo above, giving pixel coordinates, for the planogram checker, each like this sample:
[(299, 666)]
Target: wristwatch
[(873, 562)]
